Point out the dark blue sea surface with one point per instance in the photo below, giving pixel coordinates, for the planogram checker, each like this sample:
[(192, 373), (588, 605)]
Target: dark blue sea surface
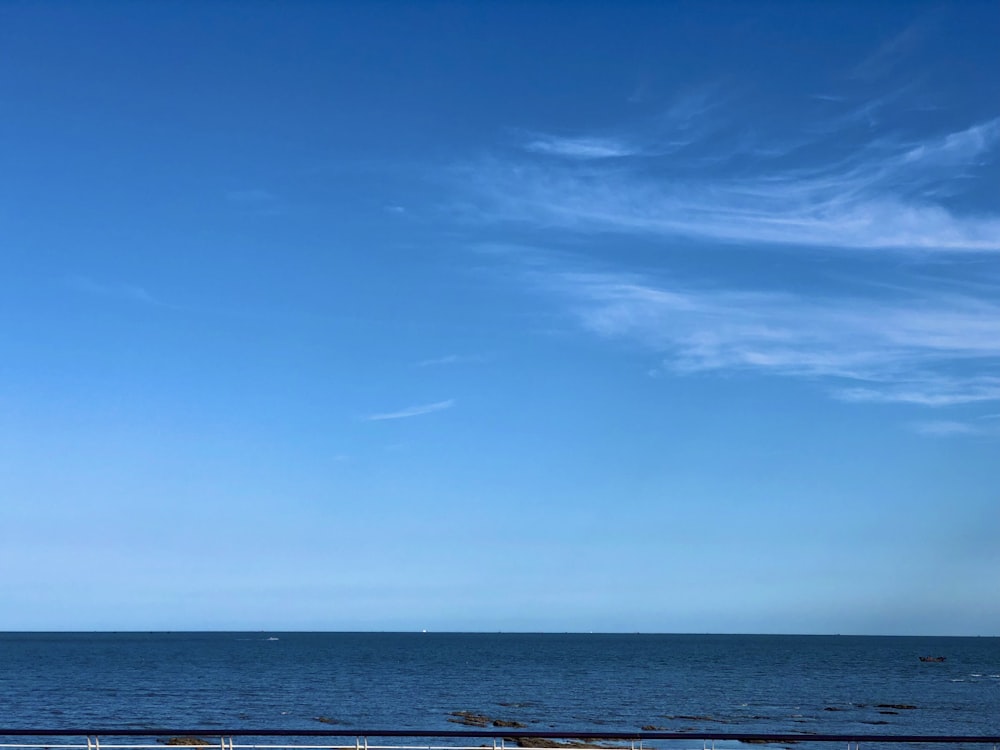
[(579, 682)]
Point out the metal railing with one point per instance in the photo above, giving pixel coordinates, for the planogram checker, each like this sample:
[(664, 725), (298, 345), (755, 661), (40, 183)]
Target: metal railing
[(360, 739)]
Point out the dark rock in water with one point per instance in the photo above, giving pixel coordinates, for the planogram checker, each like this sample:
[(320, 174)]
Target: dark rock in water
[(653, 728), (188, 741), (469, 719), (507, 723), (832, 708), (897, 706), (544, 742), (890, 713), (932, 658), (876, 721), (325, 720)]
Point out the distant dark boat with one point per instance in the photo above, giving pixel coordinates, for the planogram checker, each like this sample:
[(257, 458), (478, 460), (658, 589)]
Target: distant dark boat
[(931, 658)]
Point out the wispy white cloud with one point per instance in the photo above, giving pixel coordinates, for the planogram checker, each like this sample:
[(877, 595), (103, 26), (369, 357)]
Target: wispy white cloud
[(837, 98), (124, 292), (413, 411), (928, 390), (831, 180), (688, 110), (949, 428), (581, 147), (962, 148), (919, 348), (890, 193), (678, 127)]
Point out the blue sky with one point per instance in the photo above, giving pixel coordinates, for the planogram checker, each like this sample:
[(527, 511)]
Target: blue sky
[(675, 317)]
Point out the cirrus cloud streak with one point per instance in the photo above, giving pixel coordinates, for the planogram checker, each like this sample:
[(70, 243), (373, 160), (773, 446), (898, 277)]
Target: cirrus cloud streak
[(412, 411), (887, 194), (922, 348)]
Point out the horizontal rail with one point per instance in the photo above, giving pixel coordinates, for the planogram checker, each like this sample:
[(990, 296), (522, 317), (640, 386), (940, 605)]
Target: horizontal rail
[(508, 734)]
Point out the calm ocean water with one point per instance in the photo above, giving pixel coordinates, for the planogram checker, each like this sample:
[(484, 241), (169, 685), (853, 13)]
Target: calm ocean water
[(570, 682)]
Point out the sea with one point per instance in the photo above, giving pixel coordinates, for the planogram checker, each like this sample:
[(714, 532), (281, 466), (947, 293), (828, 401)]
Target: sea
[(545, 682)]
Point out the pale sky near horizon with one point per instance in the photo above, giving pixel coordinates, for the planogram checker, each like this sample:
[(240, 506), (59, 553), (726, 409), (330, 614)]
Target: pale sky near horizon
[(663, 317)]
